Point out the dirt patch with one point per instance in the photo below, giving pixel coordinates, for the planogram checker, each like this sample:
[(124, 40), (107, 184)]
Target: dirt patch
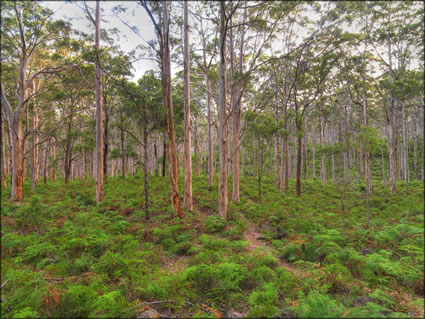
[(126, 211), (174, 264), (252, 234)]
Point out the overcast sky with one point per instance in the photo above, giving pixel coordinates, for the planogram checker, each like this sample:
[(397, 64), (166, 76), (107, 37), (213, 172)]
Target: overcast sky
[(128, 40), (135, 16)]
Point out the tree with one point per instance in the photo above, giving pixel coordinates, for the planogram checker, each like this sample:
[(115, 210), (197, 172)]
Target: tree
[(162, 30), (262, 128), (100, 193), (222, 117), (187, 200), (27, 27)]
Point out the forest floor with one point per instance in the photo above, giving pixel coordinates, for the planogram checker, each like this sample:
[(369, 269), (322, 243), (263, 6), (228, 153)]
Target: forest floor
[(65, 256)]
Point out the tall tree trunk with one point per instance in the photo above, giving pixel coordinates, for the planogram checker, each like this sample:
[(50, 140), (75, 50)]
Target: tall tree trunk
[(222, 118), (164, 153), (46, 162), (282, 165), (35, 147), (83, 165), (53, 158), (260, 172), (286, 158), (237, 115), (368, 174), (415, 147), (100, 194), (123, 157), (405, 148), (235, 125), (168, 102), (197, 150), (383, 164), (145, 159), (15, 123), (243, 160), (423, 140), (254, 158), (305, 152), (361, 170), (322, 141), (3, 157), (299, 158), (9, 142), (276, 139), (105, 145), (18, 161), (155, 158), (313, 153), (391, 111), (210, 137), (187, 200)]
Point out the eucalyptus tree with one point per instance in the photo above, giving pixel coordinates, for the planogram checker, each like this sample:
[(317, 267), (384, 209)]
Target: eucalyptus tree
[(3, 156), (308, 86), (262, 128), (208, 34), (162, 31), (72, 96), (116, 66), (27, 27), (259, 25), (187, 199), (143, 105), (100, 192), (398, 32)]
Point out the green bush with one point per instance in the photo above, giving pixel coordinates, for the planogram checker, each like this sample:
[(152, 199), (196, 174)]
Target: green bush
[(230, 277), (109, 305), (205, 257), (262, 302), (215, 224), (290, 252), (31, 216), (77, 302), (182, 248), (263, 274), (114, 265), (317, 305), (26, 312), (35, 252), (370, 310), (201, 277)]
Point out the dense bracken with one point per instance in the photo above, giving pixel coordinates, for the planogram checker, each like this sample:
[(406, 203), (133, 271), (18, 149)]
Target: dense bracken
[(65, 256)]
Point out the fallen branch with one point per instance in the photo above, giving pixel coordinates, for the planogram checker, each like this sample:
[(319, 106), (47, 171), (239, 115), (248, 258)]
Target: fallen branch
[(4, 283)]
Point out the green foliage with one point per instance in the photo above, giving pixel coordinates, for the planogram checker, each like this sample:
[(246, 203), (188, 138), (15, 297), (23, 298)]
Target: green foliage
[(112, 264), (26, 312), (370, 310), (317, 305), (113, 258), (202, 277), (309, 253), (31, 216), (263, 302), (109, 305), (215, 224), (77, 302)]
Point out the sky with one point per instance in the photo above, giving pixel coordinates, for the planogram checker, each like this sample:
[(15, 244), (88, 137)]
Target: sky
[(128, 40), (135, 16)]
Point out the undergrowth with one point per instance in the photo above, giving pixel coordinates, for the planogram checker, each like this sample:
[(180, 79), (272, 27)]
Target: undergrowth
[(65, 256)]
